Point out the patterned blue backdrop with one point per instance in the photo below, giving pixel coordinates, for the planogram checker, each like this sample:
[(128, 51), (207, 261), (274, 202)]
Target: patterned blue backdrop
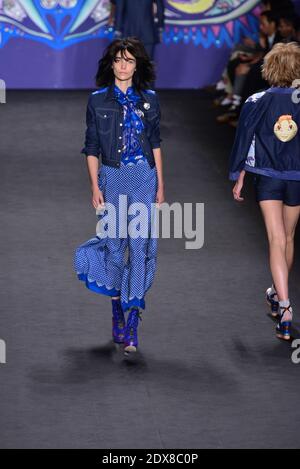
[(56, 44)]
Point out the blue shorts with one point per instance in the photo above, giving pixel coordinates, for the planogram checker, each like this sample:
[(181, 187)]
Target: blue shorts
[(268, 188)]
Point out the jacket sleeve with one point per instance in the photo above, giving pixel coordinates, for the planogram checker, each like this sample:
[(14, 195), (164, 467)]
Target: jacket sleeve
[(91, 145), (160, 13), (245, 131), (155, 133)]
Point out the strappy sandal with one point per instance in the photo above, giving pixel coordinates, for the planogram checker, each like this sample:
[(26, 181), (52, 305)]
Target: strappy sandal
[(274, 304), (283, 328)]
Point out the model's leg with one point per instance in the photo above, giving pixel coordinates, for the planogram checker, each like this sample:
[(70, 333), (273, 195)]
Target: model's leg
[(100, 261), (273, 216), (290, 219), (140, 268), (116, 246), (118, 321), (272, 211), (141, 264)]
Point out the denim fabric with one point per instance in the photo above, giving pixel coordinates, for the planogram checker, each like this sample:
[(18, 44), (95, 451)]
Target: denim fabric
[(105, 121)]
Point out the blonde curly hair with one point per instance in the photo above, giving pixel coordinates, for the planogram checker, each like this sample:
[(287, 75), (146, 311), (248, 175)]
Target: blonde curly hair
[(282, 64)]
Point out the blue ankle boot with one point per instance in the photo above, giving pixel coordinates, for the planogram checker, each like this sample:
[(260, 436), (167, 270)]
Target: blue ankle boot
[(131, 337), (118, 322)]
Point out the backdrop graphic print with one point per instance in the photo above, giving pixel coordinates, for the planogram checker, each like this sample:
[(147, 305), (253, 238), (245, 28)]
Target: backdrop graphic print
[(56, 44)]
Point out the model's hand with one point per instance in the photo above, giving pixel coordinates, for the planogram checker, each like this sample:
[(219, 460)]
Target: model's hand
[(97, 198), (237, 190), (160, 195)]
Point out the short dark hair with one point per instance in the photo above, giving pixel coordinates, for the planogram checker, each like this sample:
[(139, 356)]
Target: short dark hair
[(291, 19), (271, 16), (144, 75)]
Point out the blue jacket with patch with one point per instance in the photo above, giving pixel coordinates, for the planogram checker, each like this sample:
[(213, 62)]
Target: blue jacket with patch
[(104, 121), (267, 139)]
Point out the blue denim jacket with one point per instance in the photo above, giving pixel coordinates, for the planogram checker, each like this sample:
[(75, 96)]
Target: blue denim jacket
[(104, 121), (256, 147)]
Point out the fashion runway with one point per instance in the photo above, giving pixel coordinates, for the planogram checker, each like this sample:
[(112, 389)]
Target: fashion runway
[(209, 372)]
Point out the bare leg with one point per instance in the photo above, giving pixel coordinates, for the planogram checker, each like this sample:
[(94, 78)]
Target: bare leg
[(290, 219), (272, 211)]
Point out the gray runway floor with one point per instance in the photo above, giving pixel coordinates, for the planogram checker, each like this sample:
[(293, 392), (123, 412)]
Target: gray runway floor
[(209, 372)]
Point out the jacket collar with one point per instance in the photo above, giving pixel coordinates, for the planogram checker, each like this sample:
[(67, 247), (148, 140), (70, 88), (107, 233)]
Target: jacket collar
[(280, 90), (110, 94)]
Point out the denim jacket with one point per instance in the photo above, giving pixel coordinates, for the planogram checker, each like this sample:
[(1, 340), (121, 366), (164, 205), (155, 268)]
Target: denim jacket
[(104, 121), (267, 139)]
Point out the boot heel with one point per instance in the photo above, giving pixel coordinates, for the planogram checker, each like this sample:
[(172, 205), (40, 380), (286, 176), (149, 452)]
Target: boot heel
[(131, 337), (283, 328), (283, 331)]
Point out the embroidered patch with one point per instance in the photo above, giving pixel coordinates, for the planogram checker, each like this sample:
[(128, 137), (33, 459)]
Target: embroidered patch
[(285, 128)]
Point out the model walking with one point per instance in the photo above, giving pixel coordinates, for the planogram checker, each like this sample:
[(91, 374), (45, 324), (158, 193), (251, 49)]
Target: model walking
[(143, 19), (267, 144), (123, 119)]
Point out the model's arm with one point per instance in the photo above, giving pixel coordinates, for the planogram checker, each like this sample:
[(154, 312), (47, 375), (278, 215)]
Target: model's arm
[(155, 144), (236, 191), (244, 136), (160, 196), (93, 167), (245, 131), (92, 150)]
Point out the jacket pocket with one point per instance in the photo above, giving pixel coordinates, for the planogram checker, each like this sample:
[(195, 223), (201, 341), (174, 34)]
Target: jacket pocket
[(105, 122)]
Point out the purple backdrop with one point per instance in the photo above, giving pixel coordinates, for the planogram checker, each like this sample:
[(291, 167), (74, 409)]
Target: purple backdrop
[(34, 65), (40, 50)]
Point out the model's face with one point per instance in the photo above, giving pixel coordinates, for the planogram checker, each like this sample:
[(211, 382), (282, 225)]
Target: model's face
[(124, 66)]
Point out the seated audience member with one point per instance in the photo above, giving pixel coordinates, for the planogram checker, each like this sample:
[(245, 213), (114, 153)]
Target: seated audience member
[(288, 27), (248, 76), (245, 52)]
